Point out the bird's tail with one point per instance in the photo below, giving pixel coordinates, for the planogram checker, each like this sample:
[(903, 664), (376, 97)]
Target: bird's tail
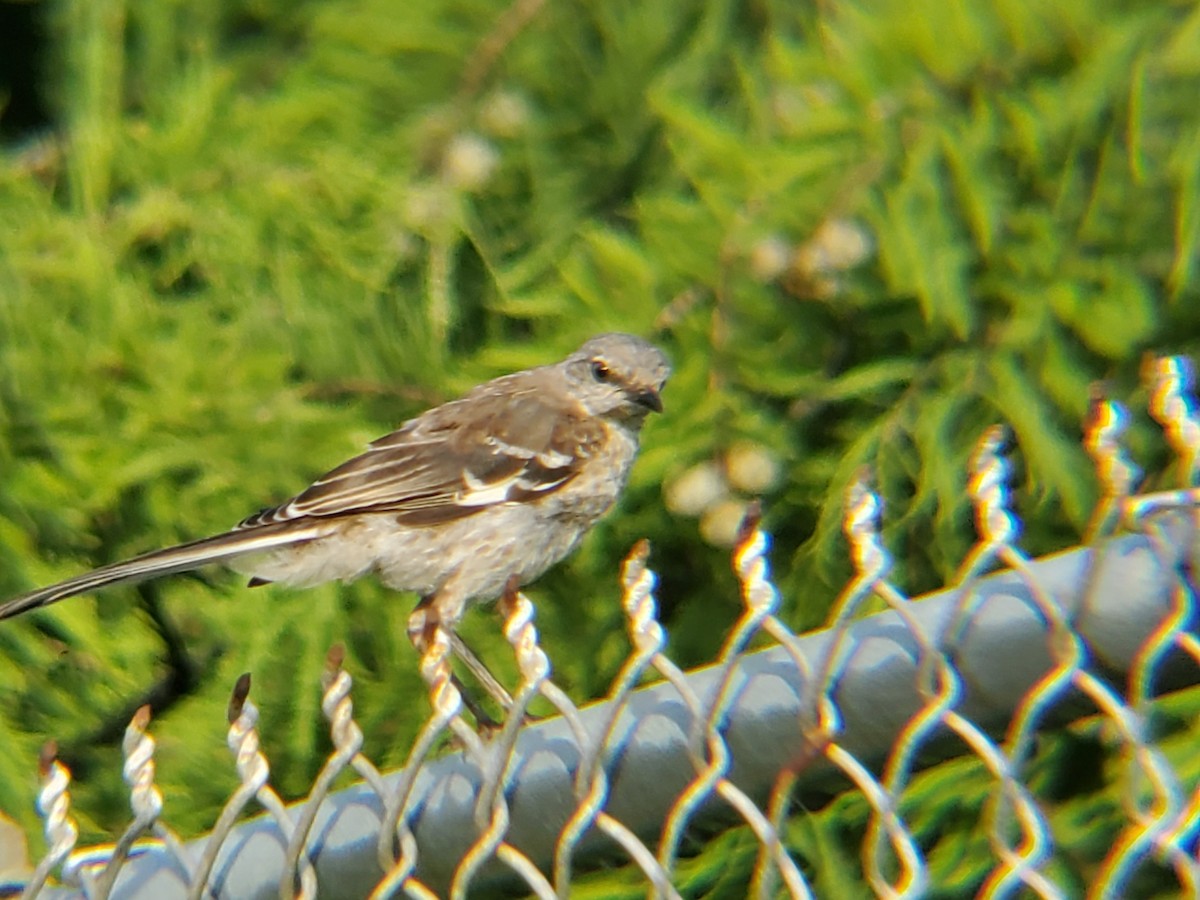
[(181, 558)]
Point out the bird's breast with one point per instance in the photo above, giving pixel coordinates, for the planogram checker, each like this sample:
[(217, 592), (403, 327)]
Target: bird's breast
[(595, 489)]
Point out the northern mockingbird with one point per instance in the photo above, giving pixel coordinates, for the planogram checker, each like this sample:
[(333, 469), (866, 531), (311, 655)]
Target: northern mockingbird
[(500, 483)]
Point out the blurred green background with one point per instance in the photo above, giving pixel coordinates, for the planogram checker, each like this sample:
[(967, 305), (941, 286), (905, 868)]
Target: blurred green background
[(240, 240)]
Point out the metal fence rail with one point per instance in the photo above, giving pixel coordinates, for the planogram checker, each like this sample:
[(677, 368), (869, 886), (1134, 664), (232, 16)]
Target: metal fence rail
[(979, 668)]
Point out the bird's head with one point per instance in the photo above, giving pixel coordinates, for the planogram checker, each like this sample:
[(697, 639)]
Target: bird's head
[(618, 376)]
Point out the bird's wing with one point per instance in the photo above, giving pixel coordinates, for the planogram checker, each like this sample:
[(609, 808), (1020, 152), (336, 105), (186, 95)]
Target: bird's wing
[(505, 442)]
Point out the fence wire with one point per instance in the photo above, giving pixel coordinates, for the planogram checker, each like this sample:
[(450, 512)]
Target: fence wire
[(1015, 646)]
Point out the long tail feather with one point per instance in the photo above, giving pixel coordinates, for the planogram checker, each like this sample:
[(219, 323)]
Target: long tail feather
[(181, 558)]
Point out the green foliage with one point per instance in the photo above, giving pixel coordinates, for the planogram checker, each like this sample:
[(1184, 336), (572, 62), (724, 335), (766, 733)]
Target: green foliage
[(260, 235)]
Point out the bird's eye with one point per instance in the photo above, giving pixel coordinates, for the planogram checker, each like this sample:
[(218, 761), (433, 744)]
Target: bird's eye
[(600, 371)]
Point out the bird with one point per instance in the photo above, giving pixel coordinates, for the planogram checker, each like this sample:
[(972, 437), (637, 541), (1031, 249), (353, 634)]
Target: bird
[(468, 497)]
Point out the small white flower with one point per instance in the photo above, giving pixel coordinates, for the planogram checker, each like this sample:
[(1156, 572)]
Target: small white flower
[(838, 245), (751, 467), (696, 489), (720, 524), (770, 258), (469, 162), (504, 113)]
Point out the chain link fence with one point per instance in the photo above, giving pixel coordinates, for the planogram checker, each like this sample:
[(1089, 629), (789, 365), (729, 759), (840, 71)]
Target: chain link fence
[(1013, 648)]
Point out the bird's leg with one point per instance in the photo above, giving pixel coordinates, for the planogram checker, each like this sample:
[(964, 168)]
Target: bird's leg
[(422, 623), (481, 672)]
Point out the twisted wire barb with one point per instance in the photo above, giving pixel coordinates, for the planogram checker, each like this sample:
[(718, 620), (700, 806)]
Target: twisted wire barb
[(1023, 855), (591, 781), (1168, 822), (347, 739), (872, 562), (491, 810), (144, 797), (862, 512), (237, 801), (988, 487), (760, 600), (606, 823), (1173, 403), (253, 773), (1068, 671), (1104, 428), (939, 692), (54, 805), (397, 847), (1174, 406), (146, 802), (996, 525)]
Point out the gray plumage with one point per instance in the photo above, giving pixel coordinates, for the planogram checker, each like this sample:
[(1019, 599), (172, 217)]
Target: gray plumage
[(502, 482)]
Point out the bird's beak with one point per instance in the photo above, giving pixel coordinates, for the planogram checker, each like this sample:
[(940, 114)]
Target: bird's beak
[(650, 399)]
